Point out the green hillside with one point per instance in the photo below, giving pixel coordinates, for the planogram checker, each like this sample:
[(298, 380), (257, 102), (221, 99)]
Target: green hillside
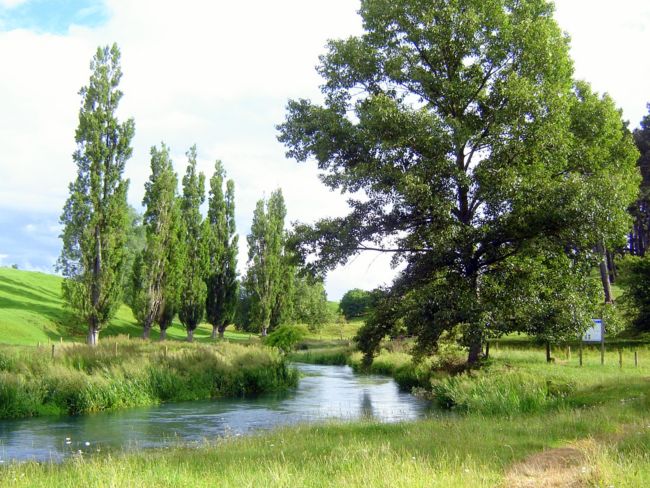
[(32, 312)]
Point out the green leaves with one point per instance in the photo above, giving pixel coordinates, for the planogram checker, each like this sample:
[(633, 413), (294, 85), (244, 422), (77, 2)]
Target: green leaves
[(194, 255), (266, 264), (95, 216), (222, 242), (472, 146)]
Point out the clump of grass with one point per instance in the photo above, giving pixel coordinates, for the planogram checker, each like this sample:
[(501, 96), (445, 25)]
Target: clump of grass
[(329, 356), (123, 373), (503, 392), (400, 365)]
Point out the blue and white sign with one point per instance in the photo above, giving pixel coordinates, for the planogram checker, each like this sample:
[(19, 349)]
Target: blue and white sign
[(595, 333)]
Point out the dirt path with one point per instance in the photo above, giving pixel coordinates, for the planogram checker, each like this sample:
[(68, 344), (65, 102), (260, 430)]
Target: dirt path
[(551, 468)]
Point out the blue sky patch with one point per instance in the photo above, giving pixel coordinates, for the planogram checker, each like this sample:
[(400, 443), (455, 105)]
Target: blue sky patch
[(53, 16)]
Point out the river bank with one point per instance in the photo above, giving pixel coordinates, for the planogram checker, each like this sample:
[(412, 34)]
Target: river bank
[(324, 393), (120, 373), (592, 419)]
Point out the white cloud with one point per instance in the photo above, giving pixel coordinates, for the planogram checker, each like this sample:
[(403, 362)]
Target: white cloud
[(219, 74), (11, 3)]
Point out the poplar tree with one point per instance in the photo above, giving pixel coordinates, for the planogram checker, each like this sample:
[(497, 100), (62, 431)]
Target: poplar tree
[(222, 245), (159, 201), (95, 216), (171, 281), (193, 254), (265, 246)]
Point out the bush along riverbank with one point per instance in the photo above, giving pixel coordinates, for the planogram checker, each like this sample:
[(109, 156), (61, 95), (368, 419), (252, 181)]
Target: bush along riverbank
[(76, 379)]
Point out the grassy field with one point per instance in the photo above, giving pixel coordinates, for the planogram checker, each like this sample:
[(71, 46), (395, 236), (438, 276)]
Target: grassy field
[(32, 312), (517, 420)]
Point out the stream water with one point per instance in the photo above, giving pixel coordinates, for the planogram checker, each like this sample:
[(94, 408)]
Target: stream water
[(324, 392)]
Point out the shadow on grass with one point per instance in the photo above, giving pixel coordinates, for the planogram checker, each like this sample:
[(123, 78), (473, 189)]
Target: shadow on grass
[(20, 289), (18, 296)]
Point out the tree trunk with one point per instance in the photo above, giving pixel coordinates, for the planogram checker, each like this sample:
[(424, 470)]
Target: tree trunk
[(475, 350), (548, 352), (190, 335), (487, 349), (611, 267), (265, 329), (604, 274), (163, 334), (214, 332), (93, 335), (222, 330), (146, 331)]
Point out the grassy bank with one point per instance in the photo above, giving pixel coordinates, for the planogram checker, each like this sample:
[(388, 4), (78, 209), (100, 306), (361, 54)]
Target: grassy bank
[(123, 373), (32, 312), (451, 450)]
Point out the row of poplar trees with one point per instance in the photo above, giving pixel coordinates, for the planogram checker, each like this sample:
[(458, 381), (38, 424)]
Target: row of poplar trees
[(188, 266)]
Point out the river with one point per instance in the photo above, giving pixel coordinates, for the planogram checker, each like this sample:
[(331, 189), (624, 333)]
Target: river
[(324, 392)]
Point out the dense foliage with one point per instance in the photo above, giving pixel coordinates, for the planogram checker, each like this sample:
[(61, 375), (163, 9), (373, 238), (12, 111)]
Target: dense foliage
[(222, 247), (193, 290), (474, 152), (161, 224), (95, 217), (267, 278), (640, 236), (355, 303)]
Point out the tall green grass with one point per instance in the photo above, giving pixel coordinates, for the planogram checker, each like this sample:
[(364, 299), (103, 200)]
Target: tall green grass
[(328, 355), (123, 373)]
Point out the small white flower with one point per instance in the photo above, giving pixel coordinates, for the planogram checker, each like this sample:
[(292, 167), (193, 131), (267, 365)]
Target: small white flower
[(87, 443)]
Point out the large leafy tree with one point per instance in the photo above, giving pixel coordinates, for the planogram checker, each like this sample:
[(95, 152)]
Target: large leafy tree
[(161, 228), (310, 305), (222, 244), (461, 127), (95, 216), (194, 252), (265, 258), (355, 303)]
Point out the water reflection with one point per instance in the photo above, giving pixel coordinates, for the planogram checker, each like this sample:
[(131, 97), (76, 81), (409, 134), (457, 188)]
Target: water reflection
[(324, 392)]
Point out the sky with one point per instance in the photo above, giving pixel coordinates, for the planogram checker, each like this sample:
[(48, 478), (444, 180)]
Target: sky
[(219, 74)]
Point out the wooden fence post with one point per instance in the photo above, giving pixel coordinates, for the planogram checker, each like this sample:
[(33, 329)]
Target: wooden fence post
[(580, 354), (620, 358), (636, 359)]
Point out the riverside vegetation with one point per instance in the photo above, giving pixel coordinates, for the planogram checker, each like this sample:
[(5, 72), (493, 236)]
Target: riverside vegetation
[(124, 373), (493, 421)]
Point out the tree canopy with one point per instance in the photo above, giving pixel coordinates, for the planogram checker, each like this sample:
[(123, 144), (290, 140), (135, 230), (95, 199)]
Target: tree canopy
[(266, 272), (222, 246), (355, 303), (193, 261), (466, 147)]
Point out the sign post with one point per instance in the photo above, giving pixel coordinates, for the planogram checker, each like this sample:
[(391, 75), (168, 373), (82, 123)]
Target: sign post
[(596, 334)]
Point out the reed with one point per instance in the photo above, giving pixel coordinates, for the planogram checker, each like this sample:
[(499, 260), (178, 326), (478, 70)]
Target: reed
[(122, 373)]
